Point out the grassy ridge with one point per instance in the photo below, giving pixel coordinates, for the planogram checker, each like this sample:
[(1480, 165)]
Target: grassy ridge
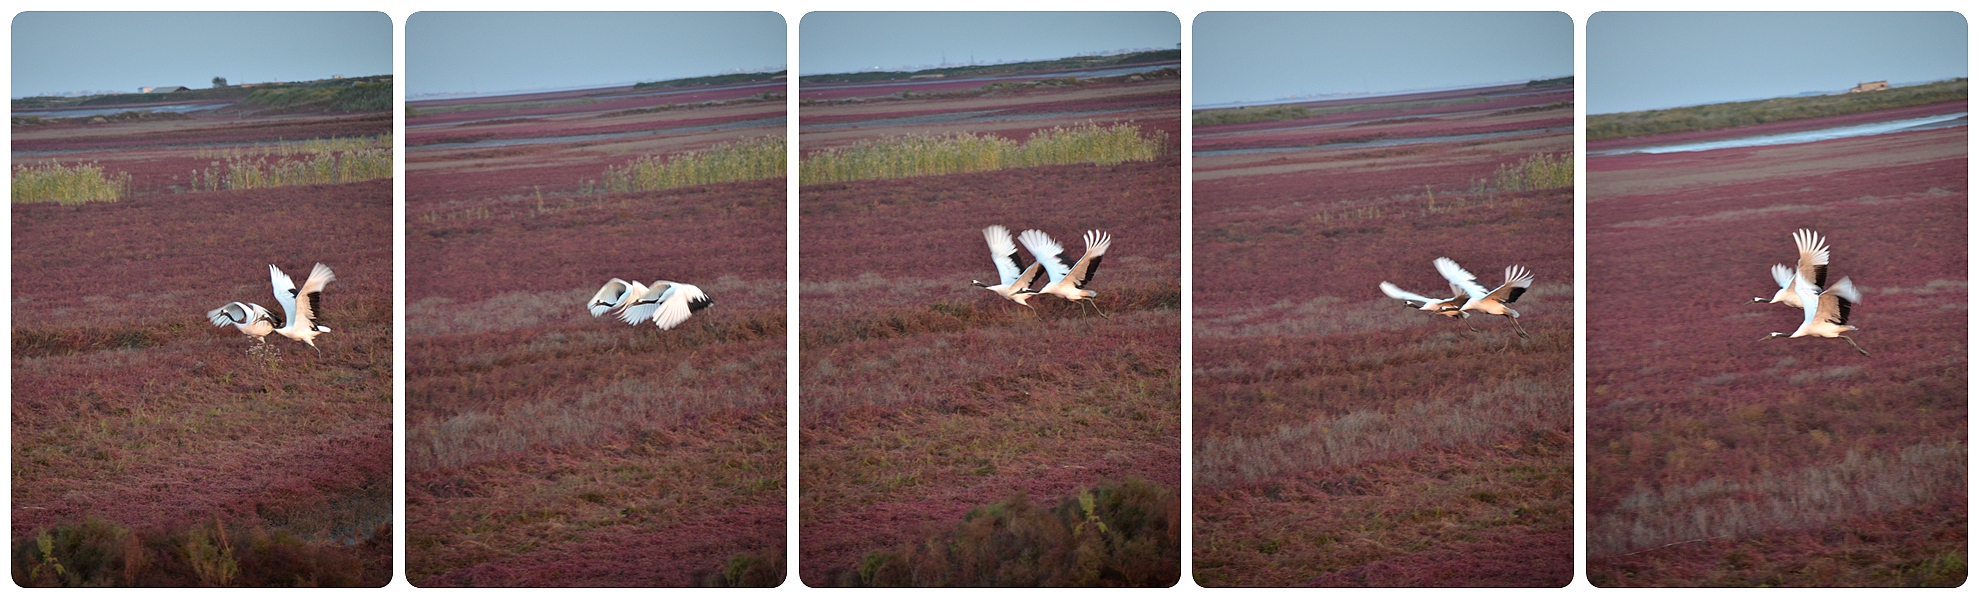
[(71, 185), (330, 160), (708, 80), (743, 160), (1735, 114), (1059, 64), (918, 155), (222, 93)]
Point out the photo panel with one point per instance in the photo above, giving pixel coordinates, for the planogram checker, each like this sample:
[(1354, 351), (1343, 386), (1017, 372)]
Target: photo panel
[(595, 224), (1383, 297), (1776, 327), (974, 414), (202, 299)]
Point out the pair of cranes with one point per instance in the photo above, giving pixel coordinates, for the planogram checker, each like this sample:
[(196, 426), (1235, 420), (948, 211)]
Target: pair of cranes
[(1468, 295), (666, 304), (303, 308), (1824, 308), (1068, 278)]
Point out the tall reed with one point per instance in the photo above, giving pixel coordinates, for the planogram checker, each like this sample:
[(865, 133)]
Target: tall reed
[(318, 161), (68, 185), (917, 155), (1536, 172), (742, 160)]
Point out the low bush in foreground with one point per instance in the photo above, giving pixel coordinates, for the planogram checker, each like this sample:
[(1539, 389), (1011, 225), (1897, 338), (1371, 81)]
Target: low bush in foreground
[(918, 155), (1121, 534), (1536, 172), (744, 160), (69, 185), (763, 568), (99, 553)]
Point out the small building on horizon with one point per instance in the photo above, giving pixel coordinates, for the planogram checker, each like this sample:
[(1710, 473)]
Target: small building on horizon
[(1873, 86), (163, 89)]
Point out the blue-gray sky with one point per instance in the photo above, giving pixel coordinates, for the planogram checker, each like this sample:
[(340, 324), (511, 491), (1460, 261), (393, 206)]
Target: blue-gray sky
[(1260, 56), (1643, 61), (843, 42), (469, 52), (57, 52)]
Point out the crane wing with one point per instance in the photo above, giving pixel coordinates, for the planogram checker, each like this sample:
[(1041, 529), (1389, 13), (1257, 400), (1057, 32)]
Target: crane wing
[(285, 290), (1813, 264), (1028, 280), (233, 313), (1047, 251), (1836, 300), (1783, 275), (1414, 300), (609, 297), (1460, 280), (309, 299), (1096, 245), (667, 304), (1517, 279), (1003, 252)]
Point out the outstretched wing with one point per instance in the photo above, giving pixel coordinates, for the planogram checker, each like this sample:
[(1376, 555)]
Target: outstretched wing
[(1783, 275), (1460, 279), (1517, 279), (1813, 257), (1028, 280), (1836, 300), (234, 313), (667, 304), (1047, 251), (1413, 300), (285, 291), (1003, 252), (309, 299), (609, 297), (1096, 244)]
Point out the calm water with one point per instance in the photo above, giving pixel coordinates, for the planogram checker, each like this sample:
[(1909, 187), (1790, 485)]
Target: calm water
[(1385, 142), (91, 112), (1802, 137)]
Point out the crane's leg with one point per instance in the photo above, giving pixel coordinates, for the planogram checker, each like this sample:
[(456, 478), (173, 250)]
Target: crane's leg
[(1858, 347), (1034, 312), (1096, 309), (1519, 328)]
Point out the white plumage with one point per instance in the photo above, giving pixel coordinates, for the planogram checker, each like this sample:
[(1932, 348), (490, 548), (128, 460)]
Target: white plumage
[(304, 305), (1824, 312), (249, 318), (666, 304), (1016, 279), (614, 296), (1494, 302), (1068, 278), (1812, 266)]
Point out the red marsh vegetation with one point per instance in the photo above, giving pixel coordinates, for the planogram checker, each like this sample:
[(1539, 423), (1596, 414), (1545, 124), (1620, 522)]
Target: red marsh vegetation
[(1715, 459), (152, 448), (546, 447), (1343, 439), (937, 416)]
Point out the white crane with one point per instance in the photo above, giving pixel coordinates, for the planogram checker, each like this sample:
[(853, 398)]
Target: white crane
[(614, 296), (248, 317), (1068, 279), (1813, 267), (303, 305), (1016, 278), (1448, 307), (666, 304), (1826, 312), (1493, 302)]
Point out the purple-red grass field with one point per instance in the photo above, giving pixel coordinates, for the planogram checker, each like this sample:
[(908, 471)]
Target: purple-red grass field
[(151, 448), (1341, 438), (925, 398), (546, 447), (1716, 459)]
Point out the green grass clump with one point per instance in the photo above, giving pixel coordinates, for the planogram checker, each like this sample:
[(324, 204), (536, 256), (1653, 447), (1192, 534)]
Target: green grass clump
[(1736, 114), (334, 160), (1231, 116), (100, 553), (68, 185), (918, 155), (743, 160), (1121, 534), (1536, 172)]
